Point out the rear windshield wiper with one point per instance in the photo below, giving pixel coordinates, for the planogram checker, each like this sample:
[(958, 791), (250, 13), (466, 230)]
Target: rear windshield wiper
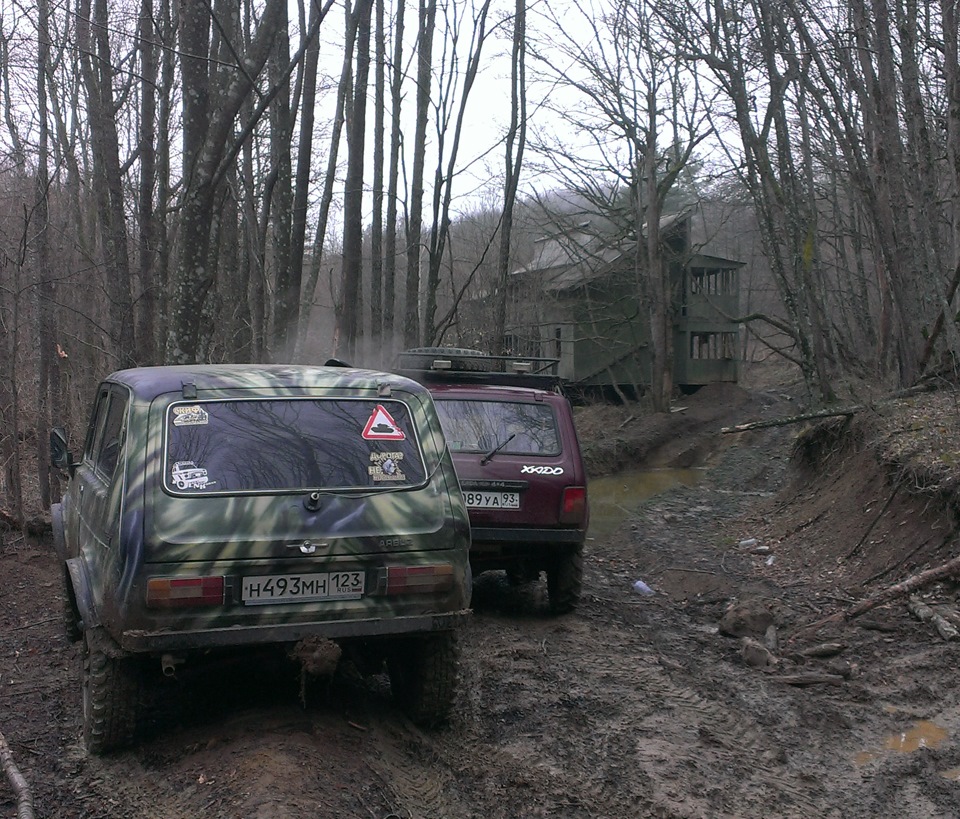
[(489, 456)]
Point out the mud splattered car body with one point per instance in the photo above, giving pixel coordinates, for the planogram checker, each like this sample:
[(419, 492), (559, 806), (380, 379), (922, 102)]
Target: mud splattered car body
[(224, 506), (511, 431)]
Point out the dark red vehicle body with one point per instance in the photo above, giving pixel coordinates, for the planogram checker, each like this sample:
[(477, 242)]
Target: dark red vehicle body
[(516, 453)]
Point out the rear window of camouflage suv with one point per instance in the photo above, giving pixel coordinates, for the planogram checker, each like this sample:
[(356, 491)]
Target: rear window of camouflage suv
[(277, 445)]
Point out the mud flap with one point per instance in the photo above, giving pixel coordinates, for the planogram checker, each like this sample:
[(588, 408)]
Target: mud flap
[(82, 593)]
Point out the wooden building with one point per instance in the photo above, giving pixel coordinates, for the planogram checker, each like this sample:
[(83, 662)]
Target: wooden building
[(581, 301)]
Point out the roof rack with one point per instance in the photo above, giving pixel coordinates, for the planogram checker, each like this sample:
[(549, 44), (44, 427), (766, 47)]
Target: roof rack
[(454, 365)]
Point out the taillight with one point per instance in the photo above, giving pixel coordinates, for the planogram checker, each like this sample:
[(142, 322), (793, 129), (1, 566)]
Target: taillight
[(177, 592), (415, 579), (573, 506)]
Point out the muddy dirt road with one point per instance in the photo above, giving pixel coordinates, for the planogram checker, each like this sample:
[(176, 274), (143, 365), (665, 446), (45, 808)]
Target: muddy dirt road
[(634, 706)]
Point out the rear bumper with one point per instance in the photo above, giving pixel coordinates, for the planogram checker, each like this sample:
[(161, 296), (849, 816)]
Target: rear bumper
[(487, 537), (155, 641)]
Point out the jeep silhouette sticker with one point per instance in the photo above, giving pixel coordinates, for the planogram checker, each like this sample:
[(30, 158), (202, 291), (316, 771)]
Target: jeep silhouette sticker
[(187, 475), (382, 427)]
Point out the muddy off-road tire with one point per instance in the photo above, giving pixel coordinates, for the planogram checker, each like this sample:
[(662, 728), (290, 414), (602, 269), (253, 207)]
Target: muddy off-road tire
[(521, 575), (111, 699), (565, 579), (423, 676)]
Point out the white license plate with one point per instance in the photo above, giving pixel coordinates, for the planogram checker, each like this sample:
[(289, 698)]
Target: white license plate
[(492, 500), (258, 590)]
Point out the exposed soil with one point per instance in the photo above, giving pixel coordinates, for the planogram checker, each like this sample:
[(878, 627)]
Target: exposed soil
[(636, 705)]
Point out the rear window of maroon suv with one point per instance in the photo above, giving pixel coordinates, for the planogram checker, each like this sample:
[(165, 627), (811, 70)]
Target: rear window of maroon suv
[(511, 427)]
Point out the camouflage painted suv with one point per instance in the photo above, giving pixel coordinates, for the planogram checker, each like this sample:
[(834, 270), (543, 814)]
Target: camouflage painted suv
[(217, 507), (515, 447)]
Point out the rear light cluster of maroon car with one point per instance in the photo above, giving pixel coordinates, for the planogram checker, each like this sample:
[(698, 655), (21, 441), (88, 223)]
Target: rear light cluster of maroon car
[(573, 505)]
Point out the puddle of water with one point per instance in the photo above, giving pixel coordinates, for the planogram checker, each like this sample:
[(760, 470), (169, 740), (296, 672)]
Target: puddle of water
[(614, 498), (923, 734)]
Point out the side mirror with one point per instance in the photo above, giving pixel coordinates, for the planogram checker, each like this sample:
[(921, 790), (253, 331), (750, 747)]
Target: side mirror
[(60, 456)]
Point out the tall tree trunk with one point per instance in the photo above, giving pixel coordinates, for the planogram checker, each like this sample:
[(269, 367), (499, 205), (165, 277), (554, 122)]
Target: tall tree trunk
[(330, 176), (393, 177), (513, 162), (168, 34), (280, 203), (147, 250), (302, 192), (656, 270), (351, 289), (208, 150), (48, 387), (950, 20), (97, 65), (376, 228), (427, 26)]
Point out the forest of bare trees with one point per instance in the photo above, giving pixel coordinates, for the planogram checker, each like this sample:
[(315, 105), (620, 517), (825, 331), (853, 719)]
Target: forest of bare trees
[(269, 180)]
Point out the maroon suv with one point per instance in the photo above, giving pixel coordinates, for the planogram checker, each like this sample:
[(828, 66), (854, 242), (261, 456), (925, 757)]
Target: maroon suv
[(514, 445)]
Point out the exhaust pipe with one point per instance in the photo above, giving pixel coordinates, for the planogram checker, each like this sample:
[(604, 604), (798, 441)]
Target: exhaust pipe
[(169, 664)]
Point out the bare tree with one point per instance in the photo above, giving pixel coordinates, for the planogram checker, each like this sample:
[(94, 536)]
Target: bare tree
[(290, 318), (211, 101), (148, 227), (513, 164), (453, 101), (330, 176), (414, 229), (376, 227), (639, 111), (352, 292), (278, 201), (393, 177), (48, 386), (96, 63)]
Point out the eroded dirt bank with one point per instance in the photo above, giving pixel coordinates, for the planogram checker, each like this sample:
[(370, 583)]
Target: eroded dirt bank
[(633, 706)]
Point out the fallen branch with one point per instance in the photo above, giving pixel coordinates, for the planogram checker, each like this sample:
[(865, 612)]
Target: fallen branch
[(950, 615), (925, 614), (792, 419), (908, 586), (17, 782), (824, 650)]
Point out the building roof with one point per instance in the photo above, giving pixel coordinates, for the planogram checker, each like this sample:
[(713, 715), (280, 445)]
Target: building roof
[(578, 258)]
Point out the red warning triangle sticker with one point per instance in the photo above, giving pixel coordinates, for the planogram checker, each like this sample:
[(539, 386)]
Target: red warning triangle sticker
[(381, 427)]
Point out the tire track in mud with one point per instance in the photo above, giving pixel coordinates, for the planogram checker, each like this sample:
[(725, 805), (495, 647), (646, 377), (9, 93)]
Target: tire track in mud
[(645, 739), (737, 743), (701, 735), (408, 764)]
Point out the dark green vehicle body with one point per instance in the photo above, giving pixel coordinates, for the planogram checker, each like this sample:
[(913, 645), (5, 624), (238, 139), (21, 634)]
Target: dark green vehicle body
[(228, 505)]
